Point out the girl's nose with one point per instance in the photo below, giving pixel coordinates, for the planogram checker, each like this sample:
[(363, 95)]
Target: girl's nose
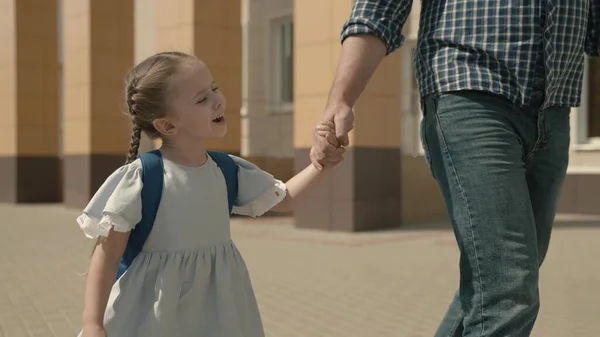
[(220, 102)]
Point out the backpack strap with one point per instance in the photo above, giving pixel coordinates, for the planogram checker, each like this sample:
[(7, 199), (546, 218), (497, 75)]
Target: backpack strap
[(230, 169), (152, 180)]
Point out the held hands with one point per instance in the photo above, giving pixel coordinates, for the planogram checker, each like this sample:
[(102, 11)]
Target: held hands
[(342, 117), (338, 121), (326, 147)]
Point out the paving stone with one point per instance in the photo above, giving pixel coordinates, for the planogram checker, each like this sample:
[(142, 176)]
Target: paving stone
[(308, 283)]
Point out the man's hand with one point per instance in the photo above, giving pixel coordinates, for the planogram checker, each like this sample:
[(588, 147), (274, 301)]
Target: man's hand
[(326, 150), (342, 117)]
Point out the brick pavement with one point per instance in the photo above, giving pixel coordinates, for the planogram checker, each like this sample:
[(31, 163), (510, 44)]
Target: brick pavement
[(309, 284)]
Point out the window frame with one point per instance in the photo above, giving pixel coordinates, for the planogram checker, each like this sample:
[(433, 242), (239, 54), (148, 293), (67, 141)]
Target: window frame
[(580, 139), (276, 103)]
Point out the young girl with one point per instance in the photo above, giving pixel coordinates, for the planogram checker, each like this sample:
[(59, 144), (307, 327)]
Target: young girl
[(189, 279)]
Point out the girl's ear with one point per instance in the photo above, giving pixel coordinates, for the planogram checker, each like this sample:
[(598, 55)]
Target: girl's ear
[(165, 126)]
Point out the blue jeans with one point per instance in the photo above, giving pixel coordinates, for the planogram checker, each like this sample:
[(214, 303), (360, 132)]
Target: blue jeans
[(500, 168)]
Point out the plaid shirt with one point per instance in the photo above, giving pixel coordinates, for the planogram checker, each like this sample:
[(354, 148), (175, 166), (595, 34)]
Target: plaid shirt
[(509, 48)]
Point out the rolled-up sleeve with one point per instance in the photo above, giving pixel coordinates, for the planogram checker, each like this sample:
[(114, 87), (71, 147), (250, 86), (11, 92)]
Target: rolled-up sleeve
[(592, 40), (381, 18)]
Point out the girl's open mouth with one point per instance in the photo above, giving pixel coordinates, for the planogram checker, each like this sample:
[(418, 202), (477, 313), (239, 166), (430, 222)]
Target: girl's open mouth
[(219, 119)]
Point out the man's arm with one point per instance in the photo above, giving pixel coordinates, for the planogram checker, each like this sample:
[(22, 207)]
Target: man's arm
[(372, 31), (592, 40)]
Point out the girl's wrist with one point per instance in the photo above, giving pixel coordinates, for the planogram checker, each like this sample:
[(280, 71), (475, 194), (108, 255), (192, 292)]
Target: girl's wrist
[(87, 328), (92, 323)]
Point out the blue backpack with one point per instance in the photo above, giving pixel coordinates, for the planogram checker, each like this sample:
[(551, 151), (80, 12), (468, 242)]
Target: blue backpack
[(152, 178)]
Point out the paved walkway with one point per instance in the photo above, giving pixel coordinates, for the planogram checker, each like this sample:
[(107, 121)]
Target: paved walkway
[(308, 284)]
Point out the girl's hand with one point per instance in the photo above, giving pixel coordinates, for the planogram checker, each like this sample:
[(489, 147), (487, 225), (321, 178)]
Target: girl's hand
[(327, 130), (94, 331), (329, 151)]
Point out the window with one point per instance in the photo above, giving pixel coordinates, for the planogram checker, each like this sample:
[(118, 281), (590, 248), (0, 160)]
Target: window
[(282, 88), (585, 119), (592, 99), (286, 58)]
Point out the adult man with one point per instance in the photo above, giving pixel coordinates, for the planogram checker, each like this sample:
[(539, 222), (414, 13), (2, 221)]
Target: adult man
[(497, 80)]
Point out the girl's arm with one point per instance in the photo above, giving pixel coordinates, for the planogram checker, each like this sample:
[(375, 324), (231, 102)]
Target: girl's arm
[(298, 185), (307, 178), (101, 275)]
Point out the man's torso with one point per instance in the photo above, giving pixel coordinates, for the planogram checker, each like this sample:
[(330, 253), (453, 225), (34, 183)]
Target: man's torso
[(507, 47)]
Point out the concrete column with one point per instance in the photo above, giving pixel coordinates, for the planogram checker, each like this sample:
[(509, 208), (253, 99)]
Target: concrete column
[(363, 193), (29, 164), (145, 30), (211, 30), (583, 174), (267, 120), (98, 51)]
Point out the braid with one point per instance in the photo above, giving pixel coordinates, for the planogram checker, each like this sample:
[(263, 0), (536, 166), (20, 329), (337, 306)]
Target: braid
[(134, 146), (146, 95)]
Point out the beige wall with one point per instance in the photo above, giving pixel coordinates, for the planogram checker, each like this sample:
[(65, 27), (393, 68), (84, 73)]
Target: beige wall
[(267, 127), (379, 111), (29, 79), (145, 30), (98, 52), (29, 138), (317, 53), (212, 31), (317, 31), (8, 79)]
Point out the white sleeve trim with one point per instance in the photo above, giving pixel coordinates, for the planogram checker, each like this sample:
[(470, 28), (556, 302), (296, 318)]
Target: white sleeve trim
[(94, 228), (265, 202)]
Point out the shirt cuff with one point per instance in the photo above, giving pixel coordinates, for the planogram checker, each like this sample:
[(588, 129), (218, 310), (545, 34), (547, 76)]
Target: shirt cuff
[(265, 202)]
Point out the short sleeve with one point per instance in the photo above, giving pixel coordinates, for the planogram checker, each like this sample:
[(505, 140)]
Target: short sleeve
[(116, 205), (258, 191)]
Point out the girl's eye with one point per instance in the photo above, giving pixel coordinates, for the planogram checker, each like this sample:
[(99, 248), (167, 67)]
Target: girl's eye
[(205, 98)]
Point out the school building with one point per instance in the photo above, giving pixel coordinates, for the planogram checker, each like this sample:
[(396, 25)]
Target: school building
[(61, 84)]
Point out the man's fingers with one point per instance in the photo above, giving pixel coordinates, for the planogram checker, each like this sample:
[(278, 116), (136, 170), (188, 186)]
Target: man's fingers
[(329, 137), (344, 141), (328, 124), (341, 132), (326, 128), (343, 125), (324, 139), (332, 140), (326, 148)]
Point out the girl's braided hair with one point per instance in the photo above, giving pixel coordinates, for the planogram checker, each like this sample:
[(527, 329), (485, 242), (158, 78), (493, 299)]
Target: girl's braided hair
[(146, 92)]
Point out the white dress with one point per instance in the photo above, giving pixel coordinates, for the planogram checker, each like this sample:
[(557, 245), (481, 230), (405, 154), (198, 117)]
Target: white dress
[(190, 279)]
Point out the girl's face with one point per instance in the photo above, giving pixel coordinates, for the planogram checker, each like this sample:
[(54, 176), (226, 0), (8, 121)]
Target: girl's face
[(197, 107)]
